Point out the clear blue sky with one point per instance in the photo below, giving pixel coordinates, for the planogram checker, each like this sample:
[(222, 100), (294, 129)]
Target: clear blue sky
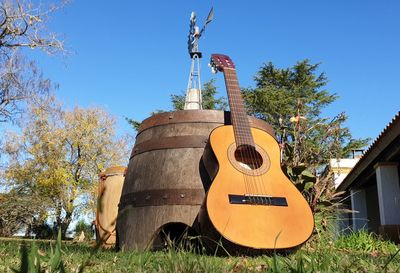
[(131, 55)]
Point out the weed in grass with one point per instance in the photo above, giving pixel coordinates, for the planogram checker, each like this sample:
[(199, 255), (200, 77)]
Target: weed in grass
[(366, 242), (34, 262)]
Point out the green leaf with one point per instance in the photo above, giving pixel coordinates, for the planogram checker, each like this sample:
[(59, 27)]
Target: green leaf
[(308, 186), (289, 171), (34, 259), (55, 259), (307, 173), (299, 168)]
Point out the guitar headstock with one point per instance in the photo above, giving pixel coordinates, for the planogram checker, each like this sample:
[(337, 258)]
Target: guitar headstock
[(219, 62)]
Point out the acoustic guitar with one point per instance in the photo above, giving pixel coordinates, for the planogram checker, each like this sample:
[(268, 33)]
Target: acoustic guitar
[(250, 203)]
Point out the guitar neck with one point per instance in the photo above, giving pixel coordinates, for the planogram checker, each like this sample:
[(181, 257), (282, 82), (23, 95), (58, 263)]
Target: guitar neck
[(239, 118)]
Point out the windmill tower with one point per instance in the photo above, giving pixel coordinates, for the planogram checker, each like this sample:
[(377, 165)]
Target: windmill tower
[(193, 99)]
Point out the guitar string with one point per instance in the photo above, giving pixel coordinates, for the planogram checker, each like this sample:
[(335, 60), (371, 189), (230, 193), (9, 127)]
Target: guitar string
[(243, 151), (248, 186), (234, 121), (248, 138), (251, 153), (243, 140)]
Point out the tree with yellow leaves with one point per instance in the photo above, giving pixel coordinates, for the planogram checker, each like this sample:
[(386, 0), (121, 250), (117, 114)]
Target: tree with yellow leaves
[(59, 154)]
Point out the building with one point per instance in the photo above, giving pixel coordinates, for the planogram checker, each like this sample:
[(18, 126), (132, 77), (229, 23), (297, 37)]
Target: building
[(373, 185), (341, 167)]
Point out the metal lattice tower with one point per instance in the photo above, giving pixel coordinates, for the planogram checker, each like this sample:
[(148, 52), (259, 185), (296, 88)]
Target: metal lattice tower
[(193, 99)]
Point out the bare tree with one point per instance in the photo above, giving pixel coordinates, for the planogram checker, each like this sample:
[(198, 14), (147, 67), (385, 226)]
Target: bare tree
[(20, 80), (23, 25)]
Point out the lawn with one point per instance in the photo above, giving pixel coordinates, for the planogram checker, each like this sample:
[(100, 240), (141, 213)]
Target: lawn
[(359, 252)]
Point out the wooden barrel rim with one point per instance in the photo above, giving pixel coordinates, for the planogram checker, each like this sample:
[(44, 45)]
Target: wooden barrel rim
[(111, 171), (174, 142), (198, 116)]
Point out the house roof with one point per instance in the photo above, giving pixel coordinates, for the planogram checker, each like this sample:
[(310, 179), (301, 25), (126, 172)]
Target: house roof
[(386, 147)]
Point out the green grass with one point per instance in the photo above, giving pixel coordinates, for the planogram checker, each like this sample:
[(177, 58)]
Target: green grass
[(359, 252)]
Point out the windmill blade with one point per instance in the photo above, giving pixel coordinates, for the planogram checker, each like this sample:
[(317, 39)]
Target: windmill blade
[(210, 17)]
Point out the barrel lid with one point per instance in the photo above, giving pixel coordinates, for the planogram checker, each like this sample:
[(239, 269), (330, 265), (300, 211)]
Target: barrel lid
[(197, 116)]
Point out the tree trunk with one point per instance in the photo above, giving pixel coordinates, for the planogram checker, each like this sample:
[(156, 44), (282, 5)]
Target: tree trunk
[(65, 224)]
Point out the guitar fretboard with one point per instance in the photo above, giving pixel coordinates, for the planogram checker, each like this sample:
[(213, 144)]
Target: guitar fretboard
[(239, 118)]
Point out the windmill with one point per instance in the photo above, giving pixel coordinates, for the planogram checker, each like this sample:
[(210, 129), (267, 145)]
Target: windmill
[(193, 98)]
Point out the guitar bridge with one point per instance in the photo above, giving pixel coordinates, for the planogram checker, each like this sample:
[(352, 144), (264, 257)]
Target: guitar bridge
[(256, 199)]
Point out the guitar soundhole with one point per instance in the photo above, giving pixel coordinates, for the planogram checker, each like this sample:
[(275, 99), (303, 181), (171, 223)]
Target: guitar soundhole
[(248, 157)]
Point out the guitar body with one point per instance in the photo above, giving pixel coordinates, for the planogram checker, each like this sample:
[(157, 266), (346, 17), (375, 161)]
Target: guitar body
[(258, 225)]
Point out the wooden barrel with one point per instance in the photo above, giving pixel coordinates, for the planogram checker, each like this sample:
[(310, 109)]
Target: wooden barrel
[(165, 181), (109, 193)]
